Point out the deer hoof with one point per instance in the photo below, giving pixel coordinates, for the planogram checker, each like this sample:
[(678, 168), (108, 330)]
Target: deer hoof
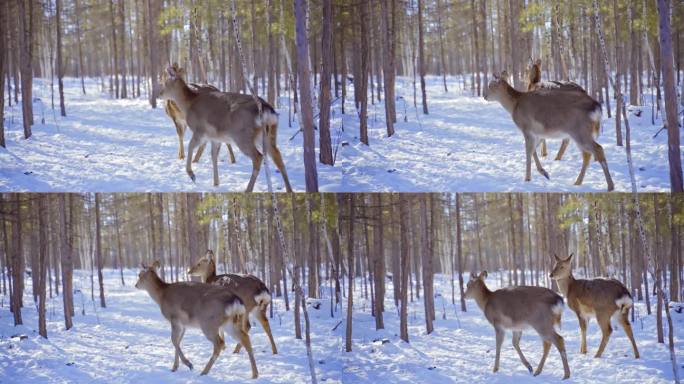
[(537, 373), (192, 176), (529, 368), (545, 174)]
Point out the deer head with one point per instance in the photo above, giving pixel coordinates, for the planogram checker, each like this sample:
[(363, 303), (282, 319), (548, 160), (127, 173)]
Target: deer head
[(562, 268)]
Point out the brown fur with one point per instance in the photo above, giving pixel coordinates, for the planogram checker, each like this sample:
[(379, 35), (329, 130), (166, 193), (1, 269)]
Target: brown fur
[(516, 308), (534, 83), (549, 113), (204, 306), (223, 117), (600, 298), (247, 287), (178, 118)]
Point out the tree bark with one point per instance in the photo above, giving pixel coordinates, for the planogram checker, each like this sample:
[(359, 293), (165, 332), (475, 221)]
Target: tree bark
[(304, 72), (326, 156)]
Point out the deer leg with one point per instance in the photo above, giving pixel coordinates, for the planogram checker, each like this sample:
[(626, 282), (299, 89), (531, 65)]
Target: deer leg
[(547, 347), (200, 150), (246, 326), (219, 344), (278, 160), (214, 161), (559, 343), (261, 316), (516, 344), (624, 322), (606, 330), (180, 130), (231, 156), (256, 166), (244, 340), (529, 148), (499, 340), (188, 161), (561, 151), (543, 150), (177, 333), (537, 163), (586, 158), (583, 333), (601, 157)]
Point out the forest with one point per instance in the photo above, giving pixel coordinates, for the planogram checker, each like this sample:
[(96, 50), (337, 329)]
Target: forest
[(315, 61), (341, 255)]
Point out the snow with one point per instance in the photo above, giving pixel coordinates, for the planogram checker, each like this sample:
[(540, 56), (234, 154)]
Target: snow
[(128, 342), (464, 144)]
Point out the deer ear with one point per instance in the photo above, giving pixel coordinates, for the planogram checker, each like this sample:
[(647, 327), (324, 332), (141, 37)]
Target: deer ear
[(538, 62), (156, 264), (209, 255), (171, 71), (472, 275), (142, 265), (557, 258), (496, 76), (483, 275), (570, 257)]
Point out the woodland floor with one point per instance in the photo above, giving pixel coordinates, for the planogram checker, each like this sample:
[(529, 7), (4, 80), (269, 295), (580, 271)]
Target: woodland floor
[(128, 342), (464, 144)]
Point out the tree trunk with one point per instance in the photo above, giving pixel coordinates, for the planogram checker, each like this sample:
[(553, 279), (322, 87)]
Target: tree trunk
[(667, 63), (311, 174), (326, 156), (153, 16), (404, 206), (421, 57), (98, 250)]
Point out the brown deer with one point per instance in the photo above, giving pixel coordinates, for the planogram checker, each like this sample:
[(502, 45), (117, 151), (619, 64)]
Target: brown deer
[(197, 305), (600, 298), (517, 308), (252, 291), (223, 117), (178, 118), (551, 113), (535, 82)]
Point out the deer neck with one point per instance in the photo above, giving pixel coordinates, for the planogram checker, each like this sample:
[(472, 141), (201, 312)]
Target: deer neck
[(156, 288), (482, 297), (184, 98), (565, 283), (211, 276), (509, 98)]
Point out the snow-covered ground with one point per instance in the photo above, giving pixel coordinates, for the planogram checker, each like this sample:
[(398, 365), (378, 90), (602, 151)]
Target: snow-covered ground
[(128, 342), (464, 144)]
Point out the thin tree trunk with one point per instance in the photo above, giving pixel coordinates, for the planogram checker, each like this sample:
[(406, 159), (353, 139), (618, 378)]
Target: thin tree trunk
[(98, 250)]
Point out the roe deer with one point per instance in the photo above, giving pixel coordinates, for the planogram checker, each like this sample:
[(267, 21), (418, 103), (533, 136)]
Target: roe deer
[(550, 113), (252, 291), (178, 118), (602, 298), (517, 308), (197, 305), (223, 117), (535, 82)]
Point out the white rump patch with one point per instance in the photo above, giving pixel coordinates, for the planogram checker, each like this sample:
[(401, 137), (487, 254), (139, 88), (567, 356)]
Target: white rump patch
[(624, 301), (267, 118), (596, 114), (234, 309), (557, 308), (262, 298)]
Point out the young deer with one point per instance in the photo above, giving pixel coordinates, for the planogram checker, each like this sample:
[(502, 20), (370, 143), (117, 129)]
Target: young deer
[(550, 113), (252, 291), (602, 298), (222, 117), (517, 308), (197, 305), (178, 118), (534, 83)]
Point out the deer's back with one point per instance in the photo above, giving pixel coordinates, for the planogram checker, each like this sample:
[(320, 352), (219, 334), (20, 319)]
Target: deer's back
[(549, 111), (187, 302), (225, 115), (245, 286), (522, 306), (588, 296)]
